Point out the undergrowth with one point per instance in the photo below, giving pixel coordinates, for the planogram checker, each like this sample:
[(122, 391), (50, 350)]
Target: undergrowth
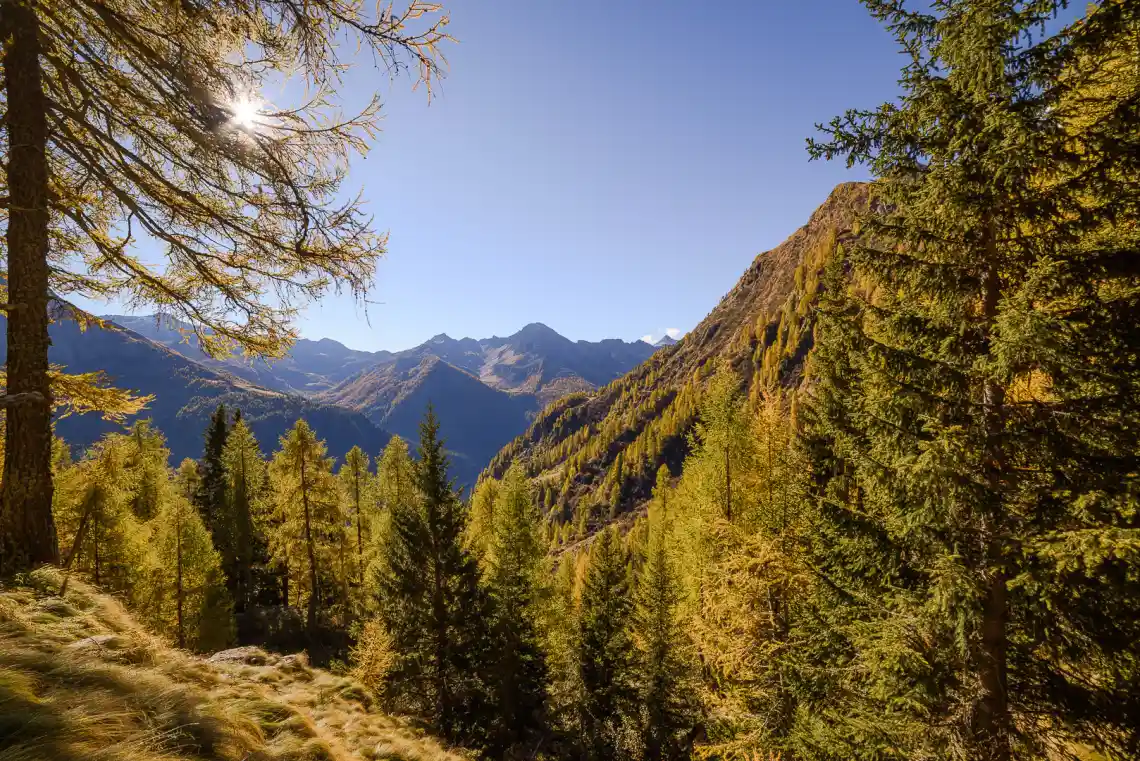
[(80, 680)]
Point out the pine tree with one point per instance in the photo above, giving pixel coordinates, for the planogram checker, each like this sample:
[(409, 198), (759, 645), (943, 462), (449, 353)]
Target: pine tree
[(515, 567), (311, 525), (667, 678), (244, 478), (431, 604), (395, 489), (141, 119), (964, 446), (606, 653)]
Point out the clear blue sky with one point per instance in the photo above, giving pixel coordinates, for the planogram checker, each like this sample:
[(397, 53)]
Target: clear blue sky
[(609, 168)]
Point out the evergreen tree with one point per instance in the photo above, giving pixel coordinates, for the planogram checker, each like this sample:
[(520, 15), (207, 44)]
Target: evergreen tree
[(211, 496), (973, 426), (515, 581), (606, 653), (244, 478), (667, 676), (311, 526), (431, 604)]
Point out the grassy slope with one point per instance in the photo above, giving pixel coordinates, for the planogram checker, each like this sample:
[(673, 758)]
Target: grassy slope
[(81, 681)]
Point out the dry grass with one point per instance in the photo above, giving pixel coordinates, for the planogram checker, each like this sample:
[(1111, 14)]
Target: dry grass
[(81, 681)]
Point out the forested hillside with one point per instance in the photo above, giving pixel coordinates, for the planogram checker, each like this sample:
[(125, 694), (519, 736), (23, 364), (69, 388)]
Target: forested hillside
[(596, 454)]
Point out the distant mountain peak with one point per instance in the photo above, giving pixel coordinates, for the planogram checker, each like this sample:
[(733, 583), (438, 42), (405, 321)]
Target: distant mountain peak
[(665, 341), (440, 338)]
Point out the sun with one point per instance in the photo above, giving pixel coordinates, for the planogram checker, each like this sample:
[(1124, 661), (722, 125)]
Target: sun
[(244, 112)]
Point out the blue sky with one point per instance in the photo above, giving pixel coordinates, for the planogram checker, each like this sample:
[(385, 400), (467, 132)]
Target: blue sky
[(607, 168)]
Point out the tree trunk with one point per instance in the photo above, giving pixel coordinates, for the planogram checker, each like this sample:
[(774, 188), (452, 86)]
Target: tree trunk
[(27, 530), (991, 716), (181, 592), (312, 617)]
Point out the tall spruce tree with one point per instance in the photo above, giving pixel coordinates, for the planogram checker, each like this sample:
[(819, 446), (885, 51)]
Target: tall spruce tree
[(606, 653), (143, 118), (432, 605), (973, 429), (244, 478), (514, 574), (667, 674), (210, 498)]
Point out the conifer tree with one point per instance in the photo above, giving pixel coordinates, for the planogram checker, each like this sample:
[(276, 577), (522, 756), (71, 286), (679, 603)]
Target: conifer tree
[(95, 519), (192, 602), (244, 478), (514, 573), (148, 462), (667, 676), (431, 604), (395, 488), (211, 496), (311, 525), (358, 489), (964, 444), (481, 525), (606, 653), (137, 118)]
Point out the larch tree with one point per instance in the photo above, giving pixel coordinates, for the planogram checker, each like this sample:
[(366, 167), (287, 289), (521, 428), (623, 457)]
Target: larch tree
[(310, 521), (192, 605), (147, 459), (395, 489), (143, 120), (973, 426), (358, 489)]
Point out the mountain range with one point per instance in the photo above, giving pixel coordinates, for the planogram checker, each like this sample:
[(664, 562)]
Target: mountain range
[(601, 449), (485, 391)]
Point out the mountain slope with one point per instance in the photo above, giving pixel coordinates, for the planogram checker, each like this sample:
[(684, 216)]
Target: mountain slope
[(476, 420), (186, 393), (762, 328), (310, 367), (80, 680)]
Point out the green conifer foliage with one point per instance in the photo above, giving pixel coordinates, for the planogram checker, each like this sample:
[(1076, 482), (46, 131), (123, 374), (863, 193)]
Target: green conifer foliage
[(976, 398), (431, 604), (606, 653), (667, 676), (307, 539), (211, 496), (515, 571), (245, 475)]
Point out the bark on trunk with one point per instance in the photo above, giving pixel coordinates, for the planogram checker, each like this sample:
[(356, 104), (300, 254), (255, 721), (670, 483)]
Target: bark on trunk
[(991, 717), (27, 530), (312, 617)]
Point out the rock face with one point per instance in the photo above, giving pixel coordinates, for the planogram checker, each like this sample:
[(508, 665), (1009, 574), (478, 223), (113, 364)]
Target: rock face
[(762, 328)]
